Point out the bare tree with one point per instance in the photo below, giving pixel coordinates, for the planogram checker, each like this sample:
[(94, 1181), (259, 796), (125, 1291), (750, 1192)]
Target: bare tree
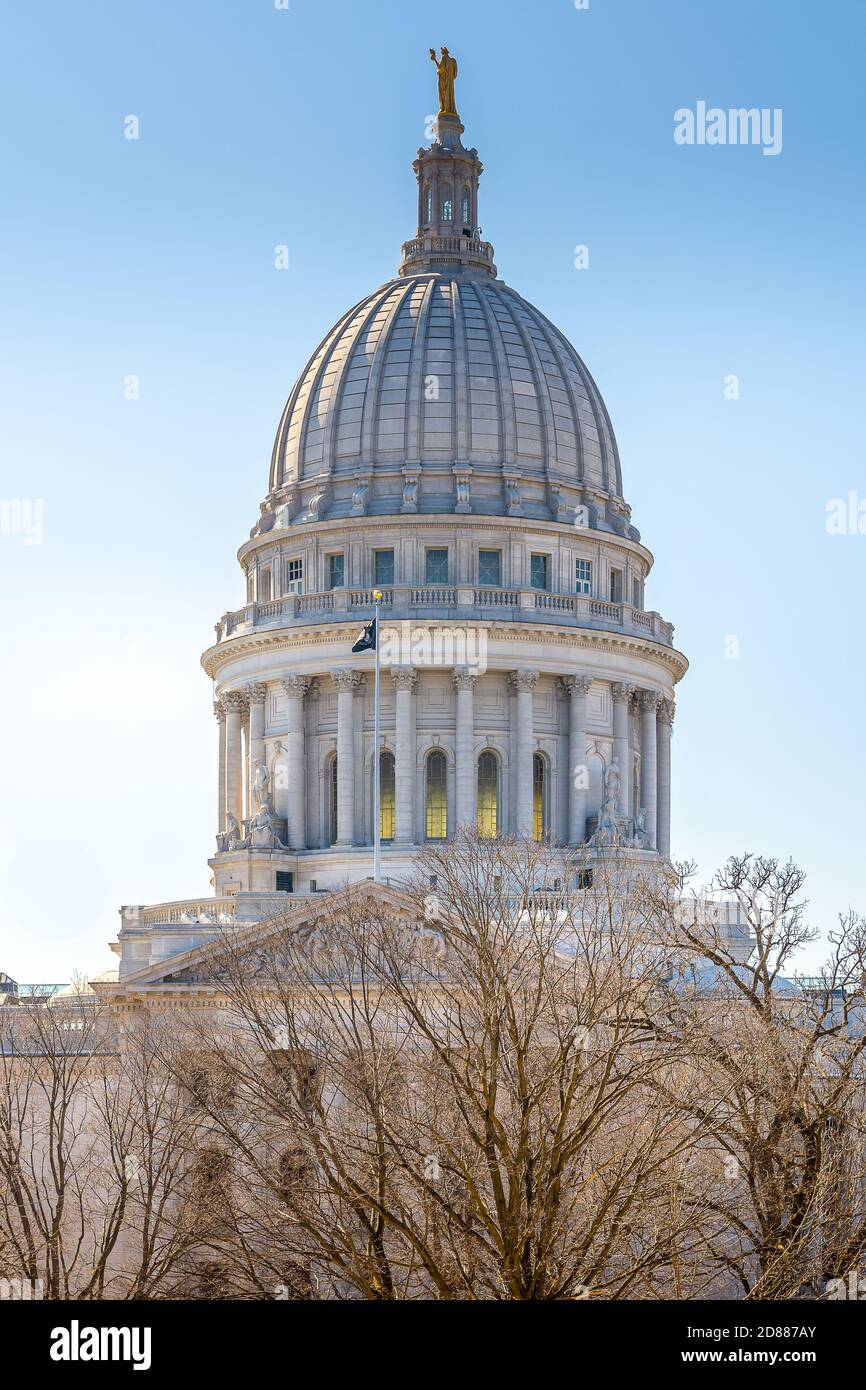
[(782, 1097), (458, 1096), (94, 1145)]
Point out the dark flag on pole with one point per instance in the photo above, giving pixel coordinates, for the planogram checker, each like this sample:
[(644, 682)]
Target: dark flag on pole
[(367, 639)]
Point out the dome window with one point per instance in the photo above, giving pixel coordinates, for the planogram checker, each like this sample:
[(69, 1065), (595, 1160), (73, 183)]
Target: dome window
[(387, 795), (332, 800), (616, 586), (383, 568), (465, 208), (583, 576), (490, 567), (487, 818), (447, 204), (539, 571), (428, 205), (436, 801), (336, 571), (264, 586), (436, 567), (295, 577), (539, 791)]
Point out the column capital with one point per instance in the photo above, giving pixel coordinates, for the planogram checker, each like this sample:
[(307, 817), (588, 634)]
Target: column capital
[(219, 711), (404, 677), (235, 701), (257, 693), (650, 700), (346, 679), (295, 687), (463, 679), (524, 679), (575, 685), (621, 690), (666, 711)]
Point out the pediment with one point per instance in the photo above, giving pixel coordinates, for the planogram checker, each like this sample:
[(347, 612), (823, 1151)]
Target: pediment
[(313, 921)]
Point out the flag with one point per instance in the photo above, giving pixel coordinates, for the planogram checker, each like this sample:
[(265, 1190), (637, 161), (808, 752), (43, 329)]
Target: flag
[(367, 639)]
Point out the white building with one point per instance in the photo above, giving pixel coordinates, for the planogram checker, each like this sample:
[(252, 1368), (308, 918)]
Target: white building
[(446, 445)]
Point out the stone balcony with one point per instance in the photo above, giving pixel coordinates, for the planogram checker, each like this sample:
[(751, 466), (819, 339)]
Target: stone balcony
[(446, 253), (448, 603)]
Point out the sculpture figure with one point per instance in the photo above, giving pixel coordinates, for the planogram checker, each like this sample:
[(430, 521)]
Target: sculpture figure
[(640, 838), (261, 833), (446, 67), (230, 838), (261, 782), (607, 831), (612, 789)]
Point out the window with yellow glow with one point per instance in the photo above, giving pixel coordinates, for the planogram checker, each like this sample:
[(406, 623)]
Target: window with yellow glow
[(538, 770), (387, 795), (488, 794), (436, 804), (333, 806)]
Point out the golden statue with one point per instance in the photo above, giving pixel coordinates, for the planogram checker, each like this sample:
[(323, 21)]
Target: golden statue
[(446, 66)]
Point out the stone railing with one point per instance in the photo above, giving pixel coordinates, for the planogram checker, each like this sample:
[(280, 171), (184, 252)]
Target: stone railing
[(422, 251), (450, 602), (213, 912)]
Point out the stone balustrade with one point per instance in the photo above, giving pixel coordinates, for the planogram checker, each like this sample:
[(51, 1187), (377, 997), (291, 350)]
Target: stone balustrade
[(460, 602)]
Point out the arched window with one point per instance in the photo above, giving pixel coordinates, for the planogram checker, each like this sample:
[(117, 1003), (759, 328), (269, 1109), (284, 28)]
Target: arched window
[(465, 206), (447, 204), (332, 800), (539, 819), (387, 795), (436, 802), (428, 204), (488, 794)]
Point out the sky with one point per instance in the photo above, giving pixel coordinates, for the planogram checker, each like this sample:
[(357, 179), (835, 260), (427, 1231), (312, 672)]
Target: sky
[(148, 343)]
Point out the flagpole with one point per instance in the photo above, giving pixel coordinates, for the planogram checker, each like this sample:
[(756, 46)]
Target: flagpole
[(377, 790)]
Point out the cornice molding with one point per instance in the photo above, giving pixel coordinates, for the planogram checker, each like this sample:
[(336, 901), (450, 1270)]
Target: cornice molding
[(602, 640), (349, 527)]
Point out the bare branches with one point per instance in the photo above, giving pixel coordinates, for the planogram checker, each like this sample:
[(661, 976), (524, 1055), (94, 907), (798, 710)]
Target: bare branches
[(518, 1079)]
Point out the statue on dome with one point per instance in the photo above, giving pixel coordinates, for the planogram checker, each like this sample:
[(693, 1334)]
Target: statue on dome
[(446, 67), (260, 831), (230, 838), (261, 782), (612, 788), (641, 838), (608, 833)]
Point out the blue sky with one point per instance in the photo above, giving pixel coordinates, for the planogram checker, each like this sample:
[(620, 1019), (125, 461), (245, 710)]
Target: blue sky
[(155, 258)]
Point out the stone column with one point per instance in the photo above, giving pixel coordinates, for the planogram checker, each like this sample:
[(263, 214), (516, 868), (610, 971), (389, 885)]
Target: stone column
[(346, 683), (633, 746), (405, 679), (296, 817), (524, 682), (220, 716), (465, 778), (622, 694), (577, 689), (256, 695), (649, 704), (663, 775), (235, 703)]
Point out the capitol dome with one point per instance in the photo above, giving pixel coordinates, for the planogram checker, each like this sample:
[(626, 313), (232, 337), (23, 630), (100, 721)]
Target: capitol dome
[(446, 466), (445, 370), (445, 390)]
